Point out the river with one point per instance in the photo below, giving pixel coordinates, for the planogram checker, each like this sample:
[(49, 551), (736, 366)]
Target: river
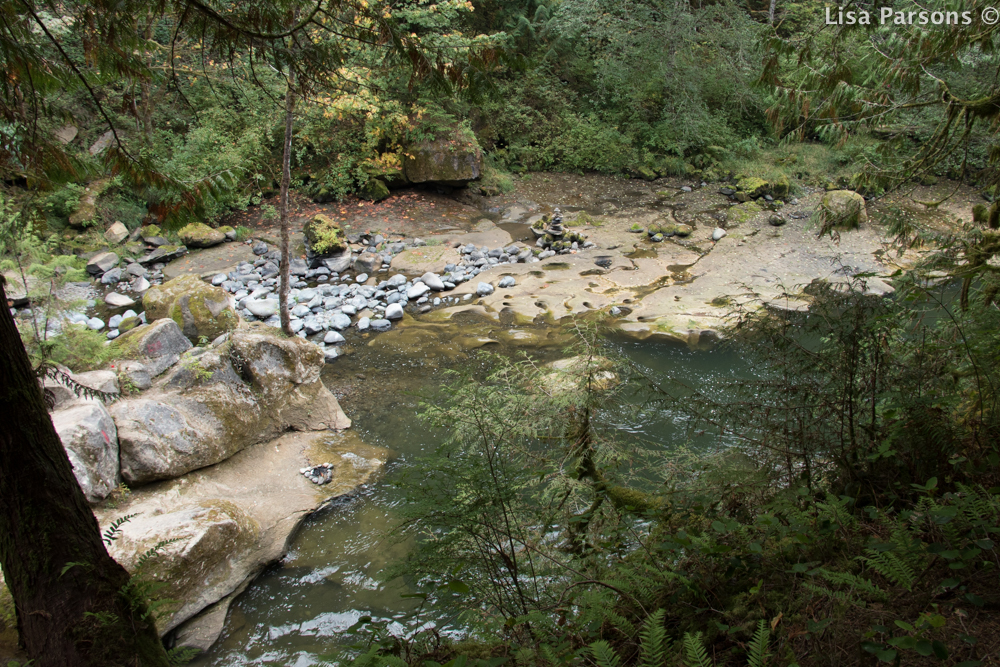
[(299, 609)]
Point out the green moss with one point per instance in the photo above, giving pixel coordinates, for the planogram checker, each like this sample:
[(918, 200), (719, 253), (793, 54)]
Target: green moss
[(225, 229), (150, 231), (128, 324), (744, 212), (375, 190), (779, 187), (753, 186), (583, 218), (624, 498), (324, 234), (980, 213)]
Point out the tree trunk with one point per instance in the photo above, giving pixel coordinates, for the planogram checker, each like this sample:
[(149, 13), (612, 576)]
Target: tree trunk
[(146, 86), (68, 592), (770, 11), (286, 179)]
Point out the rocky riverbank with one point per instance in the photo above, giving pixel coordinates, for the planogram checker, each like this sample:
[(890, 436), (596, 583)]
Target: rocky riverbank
[(212, 391)]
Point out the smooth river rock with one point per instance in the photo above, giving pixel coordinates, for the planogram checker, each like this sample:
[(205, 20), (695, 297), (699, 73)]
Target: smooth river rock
[(212, 405), (89, 436), (230, 521), (158, 345)]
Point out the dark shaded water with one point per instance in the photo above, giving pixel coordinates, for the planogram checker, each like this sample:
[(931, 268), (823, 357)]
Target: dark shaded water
[(299, 609)]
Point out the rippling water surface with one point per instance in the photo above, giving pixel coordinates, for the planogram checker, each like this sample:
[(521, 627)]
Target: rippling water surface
[(298, 610)]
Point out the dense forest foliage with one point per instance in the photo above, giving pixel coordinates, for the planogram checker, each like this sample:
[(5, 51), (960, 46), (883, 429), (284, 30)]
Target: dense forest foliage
[(851, 515)]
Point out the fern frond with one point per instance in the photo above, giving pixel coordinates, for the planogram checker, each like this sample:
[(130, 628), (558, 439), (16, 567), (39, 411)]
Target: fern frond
[(654, 639), (112, 532), (604, 655), (835, 595), (891, 566), (855, 582), (758, 646), (695, 654), (80, 390)]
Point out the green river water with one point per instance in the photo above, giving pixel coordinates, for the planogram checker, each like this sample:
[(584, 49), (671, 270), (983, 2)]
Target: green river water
[(298, 610)]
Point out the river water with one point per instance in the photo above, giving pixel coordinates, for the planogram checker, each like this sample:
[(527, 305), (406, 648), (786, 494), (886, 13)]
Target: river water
[(298, 610)]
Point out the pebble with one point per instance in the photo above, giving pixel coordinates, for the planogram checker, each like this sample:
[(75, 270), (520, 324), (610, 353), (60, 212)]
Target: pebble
[(506, 281), (364, 323), (332, 338), (417, 291), (394, 311), (95, 323), (484, 289), (118, 300), (718, 233)]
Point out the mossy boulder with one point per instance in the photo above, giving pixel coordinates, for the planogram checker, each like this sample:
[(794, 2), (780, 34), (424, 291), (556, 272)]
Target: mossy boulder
[(150, 232), (779, 187), (645, 173), (843, 209), (375, 190), (980, 214), (128, 324), (737, 215), (324, 236), (753, 186), (200, 235), (454, 160), (199, 309)]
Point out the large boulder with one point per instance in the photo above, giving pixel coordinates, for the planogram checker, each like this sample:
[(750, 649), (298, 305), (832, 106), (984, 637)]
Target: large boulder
[(199, 309), (453, 160), (229, 521), (200, 235), (101, 262), (215, 403), (116, 233), (89, 436), (163, 254), (843, 209), (158, 345)]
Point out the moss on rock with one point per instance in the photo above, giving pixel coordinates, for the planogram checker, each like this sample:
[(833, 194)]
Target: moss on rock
[(199, 309), (843, 209), (200, 235), (753, 186), (375, 190), (324, 235)]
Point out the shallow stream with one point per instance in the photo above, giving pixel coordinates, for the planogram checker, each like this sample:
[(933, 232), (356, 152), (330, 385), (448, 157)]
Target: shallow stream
[(298, 610)]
